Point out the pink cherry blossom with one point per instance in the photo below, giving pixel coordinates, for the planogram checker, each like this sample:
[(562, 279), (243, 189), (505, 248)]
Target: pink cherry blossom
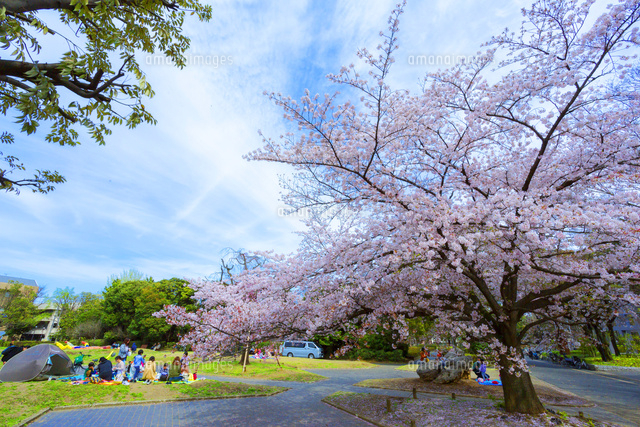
[(505, 189)]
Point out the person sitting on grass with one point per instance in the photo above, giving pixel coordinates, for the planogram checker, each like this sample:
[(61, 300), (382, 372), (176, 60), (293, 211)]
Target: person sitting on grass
[(105, 369), (164, 372), (174, 370), (91, 369), (128, 372), (184, 372), (149, 371), (119, 369), (11, 351), (483, 370), (185, 362), (137, 364), (476, 368), (423, 354)]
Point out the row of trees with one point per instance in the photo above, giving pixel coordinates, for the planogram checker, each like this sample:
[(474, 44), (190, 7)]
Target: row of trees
[(18, 311), (123, 309), (591, 325), (505, 190)]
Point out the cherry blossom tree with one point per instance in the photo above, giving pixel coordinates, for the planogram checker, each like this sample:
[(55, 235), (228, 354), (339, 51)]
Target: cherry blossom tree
[(230, 315), (506, 188)]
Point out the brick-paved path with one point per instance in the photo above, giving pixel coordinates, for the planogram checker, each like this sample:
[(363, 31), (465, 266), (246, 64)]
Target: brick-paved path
[(299, 406), (617, 393)]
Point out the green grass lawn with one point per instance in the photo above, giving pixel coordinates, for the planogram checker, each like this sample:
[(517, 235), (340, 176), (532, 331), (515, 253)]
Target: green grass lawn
[(290, 369), (255, 369), (303, 363), (629, 361), (21, 400), (407, 367)]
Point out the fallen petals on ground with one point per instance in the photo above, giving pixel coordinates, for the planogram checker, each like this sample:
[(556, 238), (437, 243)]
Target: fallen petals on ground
[(439, 411), (547, 393)]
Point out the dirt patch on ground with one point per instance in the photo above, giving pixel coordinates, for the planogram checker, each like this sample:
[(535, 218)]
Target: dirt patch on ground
[(230, 388), (158, 391), (442, 411), (546, 392), (206, 388)]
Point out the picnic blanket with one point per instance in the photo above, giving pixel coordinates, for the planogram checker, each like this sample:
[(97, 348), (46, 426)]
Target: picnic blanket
[(103, 382), (488, 382), (67, 379)]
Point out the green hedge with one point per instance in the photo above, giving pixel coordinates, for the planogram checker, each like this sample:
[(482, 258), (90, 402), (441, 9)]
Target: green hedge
[(98, 342), (478, 348), (377, 355), (29, 343)]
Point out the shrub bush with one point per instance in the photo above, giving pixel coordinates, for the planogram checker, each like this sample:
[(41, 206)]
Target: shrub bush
[(29, 343), (99, 342), (478, 347), (376, 355), (111, 336)]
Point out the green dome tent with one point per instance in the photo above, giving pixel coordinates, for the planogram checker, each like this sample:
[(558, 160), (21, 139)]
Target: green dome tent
[(42, 360)]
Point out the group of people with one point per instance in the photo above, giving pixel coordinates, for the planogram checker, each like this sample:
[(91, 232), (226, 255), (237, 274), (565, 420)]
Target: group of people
[(265, 354), (425, 354), (138, 369), (480, 369)]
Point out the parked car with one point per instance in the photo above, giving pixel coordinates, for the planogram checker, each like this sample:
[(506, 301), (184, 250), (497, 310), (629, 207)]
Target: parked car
[(301, 349)]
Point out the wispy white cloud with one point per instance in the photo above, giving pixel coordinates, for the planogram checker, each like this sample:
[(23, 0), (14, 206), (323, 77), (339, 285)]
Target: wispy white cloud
[(167, 199)]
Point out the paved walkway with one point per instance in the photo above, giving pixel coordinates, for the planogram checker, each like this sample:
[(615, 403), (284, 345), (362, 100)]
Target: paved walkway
[(616, 393), (301, 405)]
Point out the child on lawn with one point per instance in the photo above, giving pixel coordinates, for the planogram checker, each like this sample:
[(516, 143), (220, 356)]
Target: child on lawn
[(164, 372), (119, 369), (90, 370), (184, 362), (184, 372), (150, 371), (137, 363)]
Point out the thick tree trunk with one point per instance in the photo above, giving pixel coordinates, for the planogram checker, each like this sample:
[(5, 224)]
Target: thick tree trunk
[(519, 394), (602, 345), (612, 337)]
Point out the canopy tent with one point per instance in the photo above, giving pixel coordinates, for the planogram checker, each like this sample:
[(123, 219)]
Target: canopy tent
[(41, 360)]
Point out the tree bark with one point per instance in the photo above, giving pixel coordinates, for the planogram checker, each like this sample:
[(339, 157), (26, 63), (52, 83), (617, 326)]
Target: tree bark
[(519, 394), (612, 337), (602, 345), (22, 6), (244, 357)]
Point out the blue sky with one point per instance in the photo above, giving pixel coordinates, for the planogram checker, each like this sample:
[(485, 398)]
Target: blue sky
[(167, 199)]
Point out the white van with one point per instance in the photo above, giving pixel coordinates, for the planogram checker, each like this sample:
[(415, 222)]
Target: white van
[(301, 349)]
